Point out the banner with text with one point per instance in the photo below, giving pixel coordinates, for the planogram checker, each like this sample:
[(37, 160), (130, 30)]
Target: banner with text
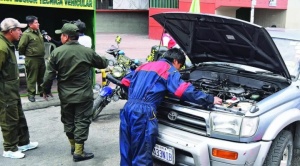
[(72, 4)]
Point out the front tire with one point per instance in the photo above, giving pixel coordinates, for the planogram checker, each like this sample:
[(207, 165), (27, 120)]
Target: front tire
[(281, 150), (98, 107)]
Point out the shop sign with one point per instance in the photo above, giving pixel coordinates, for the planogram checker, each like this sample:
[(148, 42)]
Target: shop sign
[(75, 4)]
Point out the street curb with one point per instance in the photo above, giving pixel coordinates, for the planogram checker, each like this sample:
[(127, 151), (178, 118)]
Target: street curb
[(42, 103)]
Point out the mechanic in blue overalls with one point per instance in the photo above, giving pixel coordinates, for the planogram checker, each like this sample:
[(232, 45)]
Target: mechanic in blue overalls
[(148, 85)]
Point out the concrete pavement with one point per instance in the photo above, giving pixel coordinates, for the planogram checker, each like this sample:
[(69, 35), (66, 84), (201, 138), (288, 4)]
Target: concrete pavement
[(46, 128)]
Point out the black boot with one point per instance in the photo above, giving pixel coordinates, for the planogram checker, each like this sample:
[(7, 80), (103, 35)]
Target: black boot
[(83, 156), (31, 98), (80, 155)]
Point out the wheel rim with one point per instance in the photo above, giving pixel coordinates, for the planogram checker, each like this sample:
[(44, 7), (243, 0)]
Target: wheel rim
[(285, 156)]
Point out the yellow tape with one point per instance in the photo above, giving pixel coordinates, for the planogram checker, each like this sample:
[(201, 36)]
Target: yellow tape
[(103, 72)]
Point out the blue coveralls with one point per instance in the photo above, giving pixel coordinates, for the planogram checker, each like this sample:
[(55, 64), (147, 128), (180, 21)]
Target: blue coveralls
[(148, 85)]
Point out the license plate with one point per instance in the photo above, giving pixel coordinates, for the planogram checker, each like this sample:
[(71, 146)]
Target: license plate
[(163, 153)]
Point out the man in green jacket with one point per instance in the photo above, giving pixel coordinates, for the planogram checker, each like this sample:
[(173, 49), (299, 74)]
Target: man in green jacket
[(32, 46), (71, 63), (12, 119)]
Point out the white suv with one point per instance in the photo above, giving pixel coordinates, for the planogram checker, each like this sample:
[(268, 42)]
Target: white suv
[(256, 73)]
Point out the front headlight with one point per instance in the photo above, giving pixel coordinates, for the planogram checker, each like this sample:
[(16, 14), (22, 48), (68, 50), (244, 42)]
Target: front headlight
[(249, 126), (227, 124), (111, 63), (233, 124), (118, 72)]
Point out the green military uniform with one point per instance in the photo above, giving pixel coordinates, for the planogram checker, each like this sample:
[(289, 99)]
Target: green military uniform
[(12, 119), (71, 63), (32, 46)]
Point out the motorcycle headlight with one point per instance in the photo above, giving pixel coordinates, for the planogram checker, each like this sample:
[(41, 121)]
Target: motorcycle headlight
[(111, 63), (233, 124), (118, 72)]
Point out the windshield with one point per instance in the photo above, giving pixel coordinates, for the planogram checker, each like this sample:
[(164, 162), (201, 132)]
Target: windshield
[(290, 52)]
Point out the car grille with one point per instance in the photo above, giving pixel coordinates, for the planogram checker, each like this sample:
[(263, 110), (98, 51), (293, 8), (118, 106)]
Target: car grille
[(189, 119)]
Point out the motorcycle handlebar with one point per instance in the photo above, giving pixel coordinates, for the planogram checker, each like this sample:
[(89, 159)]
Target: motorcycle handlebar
[(113, 80)]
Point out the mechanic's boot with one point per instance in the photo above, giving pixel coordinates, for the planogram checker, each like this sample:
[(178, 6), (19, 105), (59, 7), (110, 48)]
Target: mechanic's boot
[(80, 155), (72, 143)]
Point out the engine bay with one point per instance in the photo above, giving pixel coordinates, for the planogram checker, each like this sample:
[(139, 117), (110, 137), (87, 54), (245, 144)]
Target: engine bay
[(238, 91)]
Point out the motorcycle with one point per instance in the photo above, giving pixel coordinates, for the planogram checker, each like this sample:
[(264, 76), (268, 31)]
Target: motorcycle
[(156, 52), (116, 70)]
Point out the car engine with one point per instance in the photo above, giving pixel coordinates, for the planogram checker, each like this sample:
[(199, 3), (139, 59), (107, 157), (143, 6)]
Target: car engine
[(236, 89)]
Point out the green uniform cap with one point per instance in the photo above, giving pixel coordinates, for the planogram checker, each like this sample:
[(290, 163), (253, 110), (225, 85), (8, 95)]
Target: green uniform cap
[(68, 29)]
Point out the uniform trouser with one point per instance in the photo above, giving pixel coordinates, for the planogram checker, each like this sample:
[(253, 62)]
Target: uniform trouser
[(76, 118), (138, 132), (35, 70), (13, 125)]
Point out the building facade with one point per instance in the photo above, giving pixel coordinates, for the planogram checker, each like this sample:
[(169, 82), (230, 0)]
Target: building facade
[(134, 16)]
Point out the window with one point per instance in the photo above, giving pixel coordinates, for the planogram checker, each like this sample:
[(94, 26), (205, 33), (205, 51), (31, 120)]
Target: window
[(104, 4)]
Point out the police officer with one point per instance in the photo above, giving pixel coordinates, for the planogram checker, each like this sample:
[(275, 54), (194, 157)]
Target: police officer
[(71, 63), (32, 46), (12, 119), (148, 85), (83, 39)]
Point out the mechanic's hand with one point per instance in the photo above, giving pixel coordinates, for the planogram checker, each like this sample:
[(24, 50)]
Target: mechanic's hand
[(217, 100), (45, 96)]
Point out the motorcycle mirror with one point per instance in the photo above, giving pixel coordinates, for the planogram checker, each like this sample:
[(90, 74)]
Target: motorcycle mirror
[(136, 61), (118, 39)]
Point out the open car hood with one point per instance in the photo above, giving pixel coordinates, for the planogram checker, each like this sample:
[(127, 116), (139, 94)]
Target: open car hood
[(213, 38)]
